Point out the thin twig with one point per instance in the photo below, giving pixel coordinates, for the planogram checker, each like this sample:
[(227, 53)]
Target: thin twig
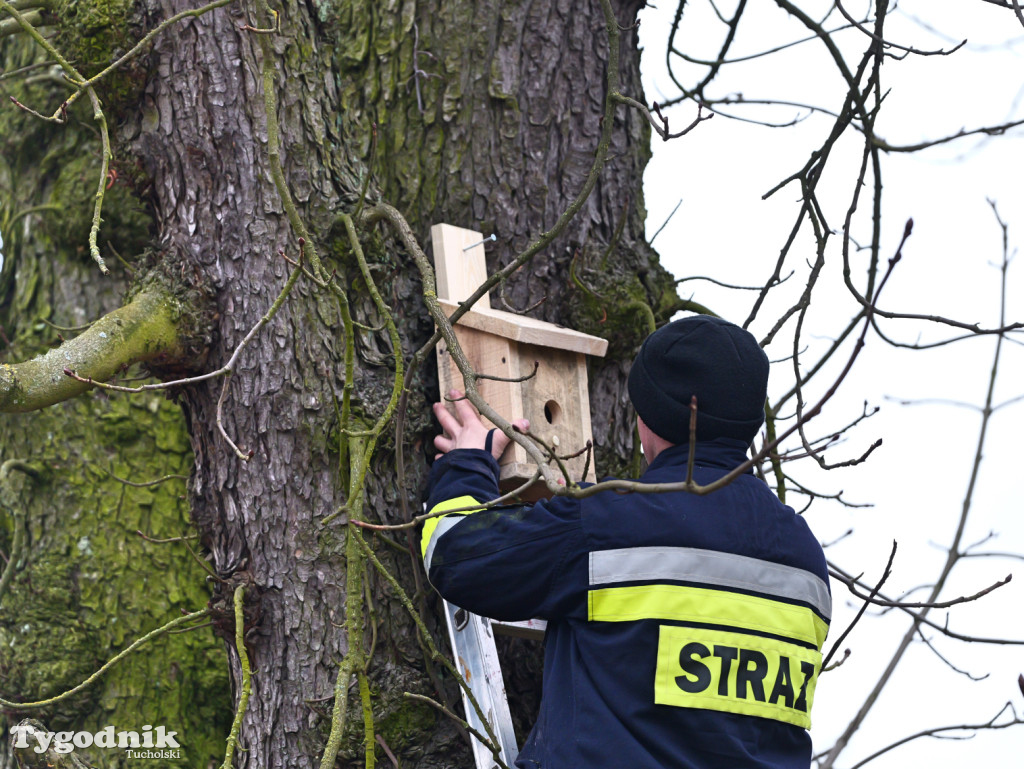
[(168, 540), (114, 660), (462, 722), (145, 484), (665, 223), (867, 602)]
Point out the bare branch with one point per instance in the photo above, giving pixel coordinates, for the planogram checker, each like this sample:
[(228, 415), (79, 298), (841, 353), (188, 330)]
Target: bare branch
[(867, 601), (664, 223), (889, 44), (852, 586), (661, 125), (1017, 11), (950, 665), (145, 484), (732, 286), (921, 617), (943, 730)]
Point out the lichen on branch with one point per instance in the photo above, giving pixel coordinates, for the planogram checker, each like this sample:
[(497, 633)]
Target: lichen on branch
[(145, 329)]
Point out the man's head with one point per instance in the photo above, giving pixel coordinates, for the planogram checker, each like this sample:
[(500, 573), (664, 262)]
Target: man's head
[(719, 362)]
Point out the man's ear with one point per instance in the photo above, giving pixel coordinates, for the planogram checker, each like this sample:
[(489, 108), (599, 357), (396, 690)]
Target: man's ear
[(652, 443), (645, 438)]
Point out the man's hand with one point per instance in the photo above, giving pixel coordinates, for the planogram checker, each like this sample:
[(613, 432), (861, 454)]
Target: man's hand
[(464, 430)]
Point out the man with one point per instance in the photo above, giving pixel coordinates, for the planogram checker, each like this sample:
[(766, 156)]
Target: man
[(683, 631)]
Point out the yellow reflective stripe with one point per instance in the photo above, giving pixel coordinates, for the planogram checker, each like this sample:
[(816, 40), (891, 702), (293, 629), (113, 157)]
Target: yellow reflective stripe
[(431, 523), (697, 604), (710, 568), (736, 673)]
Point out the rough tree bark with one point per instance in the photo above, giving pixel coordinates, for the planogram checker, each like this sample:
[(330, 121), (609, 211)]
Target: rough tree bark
[(487, 115)]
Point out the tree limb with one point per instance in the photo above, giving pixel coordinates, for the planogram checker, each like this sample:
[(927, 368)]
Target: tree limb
[(144, 329)]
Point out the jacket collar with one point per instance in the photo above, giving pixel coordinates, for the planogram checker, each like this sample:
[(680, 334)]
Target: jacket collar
[(724, 453)]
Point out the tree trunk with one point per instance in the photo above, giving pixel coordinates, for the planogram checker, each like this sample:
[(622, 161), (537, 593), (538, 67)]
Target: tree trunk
[(487, 115)]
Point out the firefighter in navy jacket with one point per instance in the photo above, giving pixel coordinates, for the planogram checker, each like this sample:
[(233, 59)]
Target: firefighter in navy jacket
[(683, 631)]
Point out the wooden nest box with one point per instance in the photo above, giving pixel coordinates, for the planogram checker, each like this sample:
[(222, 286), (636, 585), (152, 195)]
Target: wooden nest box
[(502, 344)]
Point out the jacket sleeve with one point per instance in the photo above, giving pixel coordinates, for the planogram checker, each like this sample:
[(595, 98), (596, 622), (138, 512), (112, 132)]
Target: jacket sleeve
[(507, 563)]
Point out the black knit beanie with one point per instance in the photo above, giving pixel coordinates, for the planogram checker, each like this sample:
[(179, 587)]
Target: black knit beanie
[(719, 362)]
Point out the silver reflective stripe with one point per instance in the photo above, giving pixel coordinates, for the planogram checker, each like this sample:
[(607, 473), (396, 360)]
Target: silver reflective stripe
[(443, 526), (710, 567)]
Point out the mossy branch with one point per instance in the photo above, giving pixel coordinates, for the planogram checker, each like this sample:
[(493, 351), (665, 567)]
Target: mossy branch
[(243, 659), (269, 76), (358, 486), (142, 330), (355, 572), (12, 27)]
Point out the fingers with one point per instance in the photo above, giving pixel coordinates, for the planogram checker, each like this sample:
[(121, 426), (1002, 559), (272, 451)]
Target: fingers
[(464, 429), (448, 422), (443, 444), (463, 408), (500, 440), (464, 413), (460, 428)]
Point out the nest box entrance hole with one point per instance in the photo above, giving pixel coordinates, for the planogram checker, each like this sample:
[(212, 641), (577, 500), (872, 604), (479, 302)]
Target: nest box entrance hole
[(552, 412)]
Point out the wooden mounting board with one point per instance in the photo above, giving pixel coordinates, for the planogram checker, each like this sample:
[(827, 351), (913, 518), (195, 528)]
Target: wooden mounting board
[(459, 270)]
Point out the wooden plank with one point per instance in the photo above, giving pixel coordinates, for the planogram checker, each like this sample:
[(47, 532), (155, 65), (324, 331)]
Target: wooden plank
[(551, 401), (583, 397), (520, 328), (459, 271), (487, 354)]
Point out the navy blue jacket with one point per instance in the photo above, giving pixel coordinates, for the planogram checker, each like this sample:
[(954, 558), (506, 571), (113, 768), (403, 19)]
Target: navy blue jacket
[(684, 632)]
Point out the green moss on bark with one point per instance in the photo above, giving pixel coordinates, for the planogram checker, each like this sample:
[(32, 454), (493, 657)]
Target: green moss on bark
[(92, 585), (405, 722), (38, 621), (89, 584), (92, 32), (126, 222), (609, 298)]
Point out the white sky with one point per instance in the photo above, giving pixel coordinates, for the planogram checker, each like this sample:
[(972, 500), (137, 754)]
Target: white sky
[(918, 478)]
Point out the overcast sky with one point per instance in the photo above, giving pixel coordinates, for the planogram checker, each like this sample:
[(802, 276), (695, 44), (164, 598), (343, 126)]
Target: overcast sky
[(917, 480)]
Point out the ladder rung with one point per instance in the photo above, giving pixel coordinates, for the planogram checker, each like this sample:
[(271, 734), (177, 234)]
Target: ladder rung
[(527, 628)]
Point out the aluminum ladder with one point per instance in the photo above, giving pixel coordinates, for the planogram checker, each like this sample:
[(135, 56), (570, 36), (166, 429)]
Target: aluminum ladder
[(476, 658)]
